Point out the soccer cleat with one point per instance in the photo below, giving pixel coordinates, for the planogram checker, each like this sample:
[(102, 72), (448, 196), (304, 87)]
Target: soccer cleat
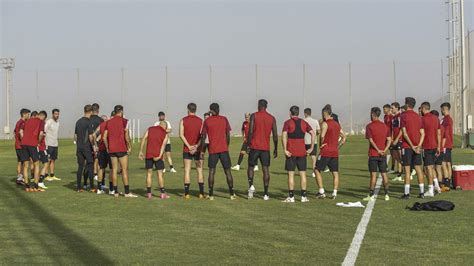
[(93, 190), (164, 170), (405, 197), (210, 197), (116, 195), (304, 199), (100, 191), (369, 198), (41, 185), (201, 196), (397, 179), (80, 190), (387, 197), (187, 197), (392, 172), (289, 200), (55, 178), (236, 167), (111, 192), (333, 196), (320, 195), (233, 197), (421, 195), (49, 178), (313, 174), (164, 196), (149, 195), (429, 194), (251, 191), (326, 171), (20, 183), (130, 195), (255, 168), (266, 197), (172, 170)]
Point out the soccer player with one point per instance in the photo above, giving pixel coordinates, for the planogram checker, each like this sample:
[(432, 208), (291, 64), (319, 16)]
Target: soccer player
[(43, 154), (378, 134), (190, 133), (244, 148), (387, 119), (31, 134), (329, 151), (162, 117), (431, 146), (397, 134), (155, 138), (440, 168), (314, 124), (413, 137), (24, 115), (96, 120), (262, 124), (103, 157), (447, 123), (293, 139), (117, 142), (85, 146), (51, 129), (217, 127)]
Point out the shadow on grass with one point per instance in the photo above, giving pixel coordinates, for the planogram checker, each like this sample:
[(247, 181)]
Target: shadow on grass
[(79, 248)]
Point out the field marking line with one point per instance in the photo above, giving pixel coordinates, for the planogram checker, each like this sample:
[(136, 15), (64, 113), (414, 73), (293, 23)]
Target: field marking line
[(353, 252)]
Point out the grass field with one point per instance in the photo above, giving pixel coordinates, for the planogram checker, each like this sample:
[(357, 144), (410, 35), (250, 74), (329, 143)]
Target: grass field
[(61, 226)]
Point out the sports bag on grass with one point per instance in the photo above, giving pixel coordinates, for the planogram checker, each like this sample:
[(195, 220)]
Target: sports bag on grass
[(436, 205)]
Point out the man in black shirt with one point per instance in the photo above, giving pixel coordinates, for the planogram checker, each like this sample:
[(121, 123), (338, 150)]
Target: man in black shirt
[(85, 146), (96, 120)]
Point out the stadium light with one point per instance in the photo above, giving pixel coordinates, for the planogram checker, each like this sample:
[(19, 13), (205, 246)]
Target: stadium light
[(8, 64)]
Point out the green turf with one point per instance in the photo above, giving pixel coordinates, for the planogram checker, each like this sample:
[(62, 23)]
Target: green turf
[(65, 227)]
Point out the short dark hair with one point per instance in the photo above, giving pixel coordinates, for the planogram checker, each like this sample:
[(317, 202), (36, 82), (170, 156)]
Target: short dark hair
[(375, 111), (307, 111), (87, 108), (434, 112), (192, 107), (43, 113), (24, 111), (410, 102), (426, 105), (294, 110), (118, 108), (161, 113), (396, 105), (112, 113), (207, 114), (214, 107), (327, 108), (95, 107), (34, 113), (55, 110), (446, 104), (386, 106), (404, 107), (262, 103)]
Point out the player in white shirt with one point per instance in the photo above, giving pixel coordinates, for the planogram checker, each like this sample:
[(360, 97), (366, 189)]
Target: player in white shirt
[(307, 138), (51, 130), (162, 117)]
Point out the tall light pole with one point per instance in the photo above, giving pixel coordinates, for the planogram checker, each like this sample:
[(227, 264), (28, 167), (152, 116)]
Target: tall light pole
[(8, 64)]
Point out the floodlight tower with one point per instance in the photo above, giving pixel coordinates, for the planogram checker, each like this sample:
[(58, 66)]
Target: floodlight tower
[(8, 64)]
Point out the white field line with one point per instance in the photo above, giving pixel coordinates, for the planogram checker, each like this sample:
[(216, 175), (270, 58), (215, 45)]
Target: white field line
[(353, 251)]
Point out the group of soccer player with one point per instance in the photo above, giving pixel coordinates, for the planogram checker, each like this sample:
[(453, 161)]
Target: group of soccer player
[(412, 140)]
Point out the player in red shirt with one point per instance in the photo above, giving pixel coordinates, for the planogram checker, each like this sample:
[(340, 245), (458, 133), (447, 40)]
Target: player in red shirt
[(43, 154), (396, 146), (244, 148), (378, 134), (102, 157), (156, 138), (329, 151), (387, 120), (24, 115), (117, 141), (447, 123), (413, 137), (439, 171), (190, 133), (217, 127), (262, 124), (294, 131)]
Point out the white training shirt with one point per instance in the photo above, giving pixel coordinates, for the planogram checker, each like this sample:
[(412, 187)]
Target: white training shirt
[(51, 128), (168, 128), (314, 125)]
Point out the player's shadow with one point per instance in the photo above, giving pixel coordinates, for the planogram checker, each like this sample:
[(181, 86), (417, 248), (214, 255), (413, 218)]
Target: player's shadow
[(77, 246)]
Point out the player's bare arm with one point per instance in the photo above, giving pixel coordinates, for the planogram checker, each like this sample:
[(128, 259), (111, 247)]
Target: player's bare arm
[(128, 142), (313, 139), (275, 138), (324, 130), (162, 149), (387, 145), (142, 145), (251, 125), (407, 138), (284, 141)]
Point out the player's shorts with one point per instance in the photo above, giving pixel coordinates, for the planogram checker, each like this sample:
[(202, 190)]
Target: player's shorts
[(158, 165), (30, 152), (43, 156), (104, 159), (429, 157), (410, 157), (315, 149), (223, 157), (396, 147), (331, 162), (53, 153), (244, 147), (440, 159), (255, 155), (378, 164), (84, 157), (118, 154), (168, 147), (195, 157), (295, 162), (447, 155), (204, 148), (20, 155)]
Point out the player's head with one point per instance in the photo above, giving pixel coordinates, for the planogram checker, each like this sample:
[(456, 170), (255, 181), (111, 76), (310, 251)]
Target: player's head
[(410, 102), (214, 107), (55, 114), (88, 110), (95, 108), (307, 112), (192, 107), (395, 107), (25, 113), (403, 108), (118, 110), (163, 124), (34, 114), (425, 107), (104, 117), (161, 116), (435, 113), (386, 109), (206, 115), (294, 111), (42, 115), (445, 108), (112, 114), (247, 116), (262, 104), (326, 112), (375, 113)]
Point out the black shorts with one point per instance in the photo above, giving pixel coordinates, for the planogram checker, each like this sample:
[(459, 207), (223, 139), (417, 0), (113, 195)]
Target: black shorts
[(204, 148), (53, 153), (84, 157), (158, 165), (411, 158), (223, 157), (315, 149), (20, 155), (118, 154), (331, 162), (244, 147), (396, 147), (104, 159), (447, 155), (168, 147), (293, 162), (429, 157), (195, 157), (439, 159), (255, 155), (43, 156), (30, 152), (378, 164)]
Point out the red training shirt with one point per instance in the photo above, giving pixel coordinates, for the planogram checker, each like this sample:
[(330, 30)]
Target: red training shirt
[(216, 128), (430, 125), (411, 121), (156, 136), (395, 127), (192, 130), (447, 123), (295, 145), (18, 126), (378, 132), (31, 130), (101, 142), (331, 139), (116, 134), (245, 129), (262, 129), (387, 119)]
